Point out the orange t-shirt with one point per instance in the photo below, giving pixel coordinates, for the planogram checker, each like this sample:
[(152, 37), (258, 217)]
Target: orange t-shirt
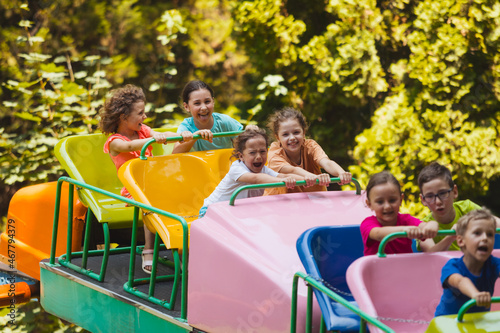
[(121, 158), (311, 154)]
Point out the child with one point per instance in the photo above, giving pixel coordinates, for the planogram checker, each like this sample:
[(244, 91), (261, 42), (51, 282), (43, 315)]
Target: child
[(474, 274), (294, 154), (123, 116), (250, 147), (384, 197), (198, 99), (438, 193)]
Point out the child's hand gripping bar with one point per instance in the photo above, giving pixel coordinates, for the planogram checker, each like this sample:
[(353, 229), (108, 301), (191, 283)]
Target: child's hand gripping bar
[(401, 234), (179, 138), (469, 304), (282, 184)]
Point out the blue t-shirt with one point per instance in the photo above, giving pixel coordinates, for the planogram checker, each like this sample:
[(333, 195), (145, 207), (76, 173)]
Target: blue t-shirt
[(452, 299), (222, 123)]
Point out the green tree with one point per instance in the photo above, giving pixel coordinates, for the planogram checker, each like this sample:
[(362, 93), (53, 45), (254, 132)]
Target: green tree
[(397, 84), (445, 101)]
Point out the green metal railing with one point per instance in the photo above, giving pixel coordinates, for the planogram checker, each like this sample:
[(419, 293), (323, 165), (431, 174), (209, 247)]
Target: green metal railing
[(179, 138), (282, 184), (65, 260), (402, 234), (469, 304), (312, 283)]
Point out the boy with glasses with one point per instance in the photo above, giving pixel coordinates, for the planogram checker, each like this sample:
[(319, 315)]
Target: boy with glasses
[(438, 193)]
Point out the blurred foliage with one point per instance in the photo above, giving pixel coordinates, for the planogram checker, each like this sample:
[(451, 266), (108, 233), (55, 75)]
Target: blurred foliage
[(30, 317)]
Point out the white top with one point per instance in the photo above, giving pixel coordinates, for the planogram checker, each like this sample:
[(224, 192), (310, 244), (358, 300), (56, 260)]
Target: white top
[(230, 184)]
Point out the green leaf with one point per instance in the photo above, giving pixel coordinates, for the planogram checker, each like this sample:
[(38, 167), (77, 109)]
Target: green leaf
[(27, 116)]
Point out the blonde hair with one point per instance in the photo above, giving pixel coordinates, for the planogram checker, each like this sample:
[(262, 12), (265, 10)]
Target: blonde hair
[(478, 214)]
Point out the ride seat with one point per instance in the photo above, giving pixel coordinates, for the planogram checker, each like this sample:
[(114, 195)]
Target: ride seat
[(83, 158), (405, 288), (178, 184), (326, 252)]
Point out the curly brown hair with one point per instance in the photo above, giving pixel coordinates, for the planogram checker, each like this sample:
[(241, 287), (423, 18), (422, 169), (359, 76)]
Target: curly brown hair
[(285, 114), (120, 103), (241, 140)]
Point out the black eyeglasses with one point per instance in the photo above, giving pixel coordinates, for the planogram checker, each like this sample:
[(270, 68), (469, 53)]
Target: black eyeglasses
[(431, 198)]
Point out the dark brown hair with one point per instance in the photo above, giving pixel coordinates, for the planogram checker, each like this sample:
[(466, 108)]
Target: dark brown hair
[(193, 86), (284, 114), (433, 171), (380, 178), (120, 103), (241, 140)]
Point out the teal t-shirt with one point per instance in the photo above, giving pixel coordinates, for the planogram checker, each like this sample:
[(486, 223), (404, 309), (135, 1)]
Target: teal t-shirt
[(461, 208), (222, 123)]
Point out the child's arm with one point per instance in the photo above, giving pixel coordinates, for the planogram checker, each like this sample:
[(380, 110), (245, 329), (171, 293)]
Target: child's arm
[(444, 244), (184, 147), (118, 146), (335, 170), (378, 233), (262, 178), (466, 287)]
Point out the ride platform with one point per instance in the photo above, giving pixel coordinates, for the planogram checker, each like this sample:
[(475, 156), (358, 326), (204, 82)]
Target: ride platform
[(91, 304)]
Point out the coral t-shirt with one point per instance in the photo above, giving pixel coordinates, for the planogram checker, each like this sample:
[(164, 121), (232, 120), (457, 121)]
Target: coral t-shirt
[(121, 158), (311, 153)]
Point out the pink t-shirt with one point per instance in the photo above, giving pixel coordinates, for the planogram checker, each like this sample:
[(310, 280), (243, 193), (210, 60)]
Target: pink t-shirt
[(121, 158), (398, 245)]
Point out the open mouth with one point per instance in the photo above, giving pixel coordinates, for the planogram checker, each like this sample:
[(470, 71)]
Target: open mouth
[(257, 164), (483, 248)]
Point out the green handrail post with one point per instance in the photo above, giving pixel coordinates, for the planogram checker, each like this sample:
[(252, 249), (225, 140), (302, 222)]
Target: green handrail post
[(312, 283), (88, 228), (70, 221), (282, 184), (309, 309), (133, 247), (469, 304), (400, 234), (179, 138), (293, 315), (56, 222)]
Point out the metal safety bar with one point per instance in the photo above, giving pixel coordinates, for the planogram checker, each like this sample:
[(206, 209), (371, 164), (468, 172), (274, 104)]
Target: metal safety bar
[(469, 304), (401, 234), (179, 138), (312, 283), (282, 184)]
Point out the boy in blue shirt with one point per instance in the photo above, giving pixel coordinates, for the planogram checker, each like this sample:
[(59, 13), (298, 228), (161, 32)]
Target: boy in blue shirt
[(474, 274)]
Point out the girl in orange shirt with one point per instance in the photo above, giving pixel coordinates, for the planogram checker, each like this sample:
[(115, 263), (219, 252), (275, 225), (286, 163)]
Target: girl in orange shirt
[(295, 154)]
